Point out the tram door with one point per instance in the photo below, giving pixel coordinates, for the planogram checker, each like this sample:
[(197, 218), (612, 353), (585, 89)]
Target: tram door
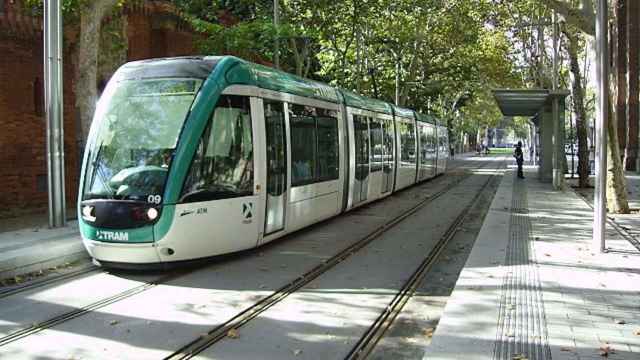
[(387, 166), (361, 132), (276, 166), (376, 159)]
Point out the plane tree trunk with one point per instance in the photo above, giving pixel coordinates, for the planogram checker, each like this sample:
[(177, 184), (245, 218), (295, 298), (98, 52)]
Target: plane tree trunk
[(633, 37), (620, 56), (616, 182), (583, 17), (87, 67), (577, 92)]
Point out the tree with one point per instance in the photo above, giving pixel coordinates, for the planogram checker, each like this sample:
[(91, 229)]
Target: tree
[(633, 37), (92, 13), (578, 92), (619, 43), (583, 17)]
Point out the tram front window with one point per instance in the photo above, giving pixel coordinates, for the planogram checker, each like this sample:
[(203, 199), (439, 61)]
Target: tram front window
[(138, 124)]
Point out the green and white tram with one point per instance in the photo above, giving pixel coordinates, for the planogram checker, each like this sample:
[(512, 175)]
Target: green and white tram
[(194, 157)]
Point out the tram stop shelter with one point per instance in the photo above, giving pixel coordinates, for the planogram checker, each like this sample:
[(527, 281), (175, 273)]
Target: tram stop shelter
[(546, 109)]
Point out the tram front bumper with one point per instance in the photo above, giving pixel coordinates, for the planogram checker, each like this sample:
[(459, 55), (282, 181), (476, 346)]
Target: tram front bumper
[(145, 253)]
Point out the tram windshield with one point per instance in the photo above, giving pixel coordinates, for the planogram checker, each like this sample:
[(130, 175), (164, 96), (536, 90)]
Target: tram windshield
[(138, 124)]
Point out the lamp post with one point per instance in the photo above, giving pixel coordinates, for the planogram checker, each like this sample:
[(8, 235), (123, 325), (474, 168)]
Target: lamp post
[(602, 76), (53, 108), (276, 50)]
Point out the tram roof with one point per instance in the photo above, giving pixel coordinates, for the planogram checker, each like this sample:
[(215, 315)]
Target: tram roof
[(199, 67), (362, 102), (239, 71), (427, 118), (403, 112)]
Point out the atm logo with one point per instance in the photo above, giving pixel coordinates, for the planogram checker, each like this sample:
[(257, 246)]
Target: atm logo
[(112, 235)]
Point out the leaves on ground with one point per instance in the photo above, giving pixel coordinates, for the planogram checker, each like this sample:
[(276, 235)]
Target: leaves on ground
[(605, 350), (428, 332), (233, 333)]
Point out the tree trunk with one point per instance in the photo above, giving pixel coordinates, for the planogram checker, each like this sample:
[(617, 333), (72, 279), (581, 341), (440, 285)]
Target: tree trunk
[(616, 182), (577, 91), (584, 19), (633, 35), (86, 82), (620, 58)]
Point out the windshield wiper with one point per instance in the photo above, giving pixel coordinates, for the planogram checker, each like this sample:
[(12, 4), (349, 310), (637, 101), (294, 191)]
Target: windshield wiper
[(210, 194), (97, 171)]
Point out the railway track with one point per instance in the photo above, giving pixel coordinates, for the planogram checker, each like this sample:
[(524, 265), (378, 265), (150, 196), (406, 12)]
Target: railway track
[(220, 332), (10, 290), (377, 330), (62, 318), (49, 280)]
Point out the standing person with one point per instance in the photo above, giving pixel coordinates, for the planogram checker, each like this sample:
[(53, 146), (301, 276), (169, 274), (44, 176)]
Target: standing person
[(531, 154), (517, 153)]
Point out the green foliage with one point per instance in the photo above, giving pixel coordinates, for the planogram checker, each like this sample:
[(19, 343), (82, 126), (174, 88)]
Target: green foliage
[(71, 9)]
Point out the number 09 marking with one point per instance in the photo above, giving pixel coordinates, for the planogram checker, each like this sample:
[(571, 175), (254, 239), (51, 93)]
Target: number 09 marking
[(154, 199)]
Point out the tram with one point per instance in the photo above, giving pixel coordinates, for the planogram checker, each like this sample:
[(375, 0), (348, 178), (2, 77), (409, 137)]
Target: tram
[(193, 157)]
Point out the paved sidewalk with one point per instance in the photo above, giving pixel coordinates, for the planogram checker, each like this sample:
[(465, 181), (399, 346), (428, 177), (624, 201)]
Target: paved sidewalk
[(533, 289), (27, 249)]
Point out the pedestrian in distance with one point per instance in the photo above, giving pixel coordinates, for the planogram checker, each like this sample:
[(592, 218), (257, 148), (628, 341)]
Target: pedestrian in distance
[(531, 154), (517, 153)]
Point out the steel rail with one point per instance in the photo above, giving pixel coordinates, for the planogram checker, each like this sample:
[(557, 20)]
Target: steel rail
[(263, 304), (221, 331), (57, 320), (48, 280), (375, 332)]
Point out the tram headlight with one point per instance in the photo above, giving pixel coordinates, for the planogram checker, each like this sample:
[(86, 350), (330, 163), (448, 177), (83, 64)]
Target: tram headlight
[(152, 213), (88, 213)]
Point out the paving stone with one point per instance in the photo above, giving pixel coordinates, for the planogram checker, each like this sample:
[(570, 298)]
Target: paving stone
[(583, 293)]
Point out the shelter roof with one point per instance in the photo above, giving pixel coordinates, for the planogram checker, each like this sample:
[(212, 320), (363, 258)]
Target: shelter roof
[(525, 102)]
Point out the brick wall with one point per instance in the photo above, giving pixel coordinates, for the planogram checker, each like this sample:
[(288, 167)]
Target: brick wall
[(23, 167)]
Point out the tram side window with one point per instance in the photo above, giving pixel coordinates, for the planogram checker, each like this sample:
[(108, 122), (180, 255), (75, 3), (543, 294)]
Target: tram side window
[(432, 140), (361, 134), (276, 147), (223, 164), (328, 156), (303, 144), (424, 143), (388, 140), (407, 143), (376, 145), (314, 144)]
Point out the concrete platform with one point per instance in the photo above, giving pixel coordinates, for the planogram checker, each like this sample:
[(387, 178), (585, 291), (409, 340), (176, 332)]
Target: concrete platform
[(34, 248), (532, 288)]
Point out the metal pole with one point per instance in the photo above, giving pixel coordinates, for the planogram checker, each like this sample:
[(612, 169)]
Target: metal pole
[(573, 155), (558, 174), (602, 76), (53, 108), (397, 81), (276, 51)]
